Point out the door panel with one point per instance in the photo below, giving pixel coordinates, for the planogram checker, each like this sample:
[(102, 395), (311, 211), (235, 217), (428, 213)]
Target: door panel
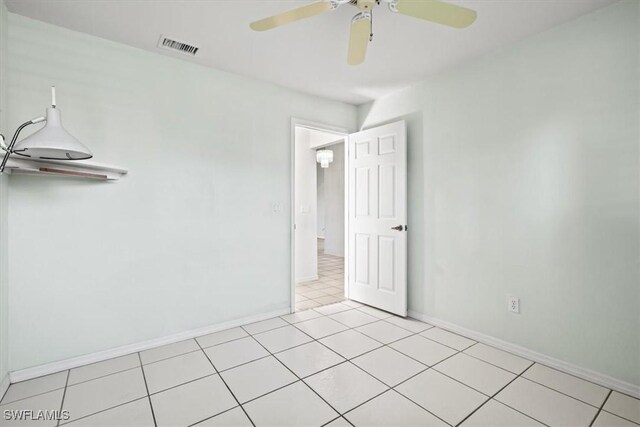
[(363, 149), (386, 263), (387, 144), (377, 271), (387, 191), (363, 191), (362, 259)]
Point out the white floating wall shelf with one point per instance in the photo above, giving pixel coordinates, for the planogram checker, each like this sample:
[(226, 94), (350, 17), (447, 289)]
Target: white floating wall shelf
[(84, 169)]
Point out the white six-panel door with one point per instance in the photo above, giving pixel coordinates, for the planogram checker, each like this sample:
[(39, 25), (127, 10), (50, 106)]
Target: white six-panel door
[(377, 232)]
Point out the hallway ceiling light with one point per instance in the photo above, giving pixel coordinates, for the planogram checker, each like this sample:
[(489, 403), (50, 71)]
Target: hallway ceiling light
[(52, 142), (324, 157)]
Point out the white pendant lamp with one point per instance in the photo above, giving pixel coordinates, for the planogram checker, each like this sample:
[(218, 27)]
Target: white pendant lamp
[(52, 142), (324, 157)]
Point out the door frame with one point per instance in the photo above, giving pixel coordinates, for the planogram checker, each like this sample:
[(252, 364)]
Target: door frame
[(340, 132)]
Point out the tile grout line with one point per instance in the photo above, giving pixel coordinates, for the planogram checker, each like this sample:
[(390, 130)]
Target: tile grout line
[(242, 364), (620, 416), (600, 409), (64, 393), (569, 374), (104, 410), (511, 407), (218, 414), (434, 367), (415, 375), (405, 397), (228, 388), (457, 351), (146, 386), (335, 419), (463, 351), (349, 360), (34, 395), (366, 401), (446, 345), (181, 384), (164, 358), (295, 375), (249, 334), (223, 342), (389, 388), (103, 376), (253, 399), (4, 394), (511, 372), (491, 397), (560, 392)]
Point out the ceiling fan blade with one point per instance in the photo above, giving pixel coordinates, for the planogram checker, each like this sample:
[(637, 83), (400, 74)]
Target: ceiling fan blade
[(293, 15), (437, 11), (359, 38)]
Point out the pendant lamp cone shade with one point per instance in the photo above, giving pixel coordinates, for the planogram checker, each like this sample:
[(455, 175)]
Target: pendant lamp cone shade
[(52, 142)]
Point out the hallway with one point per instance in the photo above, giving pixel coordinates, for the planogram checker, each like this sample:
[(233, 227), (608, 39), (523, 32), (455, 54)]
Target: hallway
[(328, 289)]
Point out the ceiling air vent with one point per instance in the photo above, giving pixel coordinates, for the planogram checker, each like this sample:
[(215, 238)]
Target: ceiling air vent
[(171, 44)]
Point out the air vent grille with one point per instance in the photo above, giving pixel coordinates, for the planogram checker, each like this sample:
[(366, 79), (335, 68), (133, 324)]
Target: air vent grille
[(178, 46)]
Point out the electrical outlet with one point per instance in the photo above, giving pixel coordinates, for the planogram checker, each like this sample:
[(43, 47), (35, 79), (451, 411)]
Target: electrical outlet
[(513, 304)]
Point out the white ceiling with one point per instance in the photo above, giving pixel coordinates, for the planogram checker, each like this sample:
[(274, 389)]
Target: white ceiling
[(309, 56)]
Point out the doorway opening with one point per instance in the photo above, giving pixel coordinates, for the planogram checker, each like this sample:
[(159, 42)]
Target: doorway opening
[(319, 215)]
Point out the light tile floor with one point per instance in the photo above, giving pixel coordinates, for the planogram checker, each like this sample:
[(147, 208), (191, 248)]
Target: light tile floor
[(337, 365), (328, 289)]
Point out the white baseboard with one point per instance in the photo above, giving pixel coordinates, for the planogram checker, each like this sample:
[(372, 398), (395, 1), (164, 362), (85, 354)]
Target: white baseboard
[(4, 385), (336, 254), (578, 371), (74, 362), (307, 279)]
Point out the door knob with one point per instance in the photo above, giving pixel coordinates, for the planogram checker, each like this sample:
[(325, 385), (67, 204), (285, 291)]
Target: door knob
[(398, 228)]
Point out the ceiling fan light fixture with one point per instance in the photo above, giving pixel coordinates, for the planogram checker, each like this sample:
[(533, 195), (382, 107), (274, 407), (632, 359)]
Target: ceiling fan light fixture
[(429, 10)]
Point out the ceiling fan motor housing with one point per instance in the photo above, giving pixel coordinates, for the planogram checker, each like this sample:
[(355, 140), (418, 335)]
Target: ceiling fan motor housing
[(366, 4)]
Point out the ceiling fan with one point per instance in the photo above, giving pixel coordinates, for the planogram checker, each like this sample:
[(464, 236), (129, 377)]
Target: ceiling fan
[(361, 24)]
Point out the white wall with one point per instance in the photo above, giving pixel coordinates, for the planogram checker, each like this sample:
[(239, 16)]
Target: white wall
[(321, 202), (306, 200), (529, 185), (334, 203), (189, 238), (4, 197)]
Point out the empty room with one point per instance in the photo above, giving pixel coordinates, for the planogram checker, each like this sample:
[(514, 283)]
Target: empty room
[(319, 213)]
